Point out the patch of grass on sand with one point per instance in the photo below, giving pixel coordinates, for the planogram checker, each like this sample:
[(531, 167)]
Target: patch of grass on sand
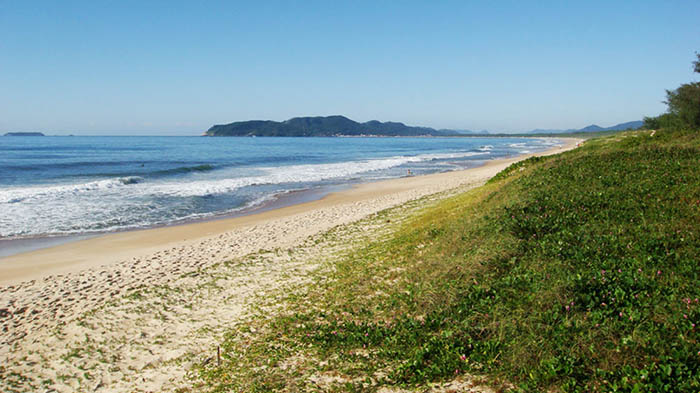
[(578, 272)]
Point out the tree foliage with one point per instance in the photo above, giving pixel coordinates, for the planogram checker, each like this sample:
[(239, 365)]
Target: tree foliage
[(684, 102), (683, 106)]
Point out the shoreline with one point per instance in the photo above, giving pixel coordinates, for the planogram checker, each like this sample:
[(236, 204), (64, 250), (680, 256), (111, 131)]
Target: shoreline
[(22, 245), (11, 245), (138, 311), (109, 248)]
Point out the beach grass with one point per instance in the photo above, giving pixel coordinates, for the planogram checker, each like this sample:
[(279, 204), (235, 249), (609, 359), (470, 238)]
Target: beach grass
[(577, 272)]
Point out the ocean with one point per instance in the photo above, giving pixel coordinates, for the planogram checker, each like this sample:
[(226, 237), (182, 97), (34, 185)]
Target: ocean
[(57, 186)]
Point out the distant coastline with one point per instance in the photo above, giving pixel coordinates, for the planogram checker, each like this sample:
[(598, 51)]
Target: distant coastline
[(24, 134), (341, 126)]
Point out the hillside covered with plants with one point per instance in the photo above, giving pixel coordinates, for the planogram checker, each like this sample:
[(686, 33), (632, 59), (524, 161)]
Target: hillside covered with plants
[(578, 272)]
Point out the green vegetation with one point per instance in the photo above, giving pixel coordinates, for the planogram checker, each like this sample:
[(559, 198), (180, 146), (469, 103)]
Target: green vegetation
[(577, 272)]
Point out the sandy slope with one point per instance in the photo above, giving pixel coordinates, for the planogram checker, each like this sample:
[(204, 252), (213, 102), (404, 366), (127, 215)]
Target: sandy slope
[(131, 311)]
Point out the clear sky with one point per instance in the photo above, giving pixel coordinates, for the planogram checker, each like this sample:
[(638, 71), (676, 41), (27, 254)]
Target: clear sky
[(176, 68)]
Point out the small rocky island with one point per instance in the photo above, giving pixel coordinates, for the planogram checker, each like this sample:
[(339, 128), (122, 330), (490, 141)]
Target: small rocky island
[(24, 134)]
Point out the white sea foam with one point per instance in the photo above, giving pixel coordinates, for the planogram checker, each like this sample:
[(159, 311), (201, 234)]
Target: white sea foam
[(129, 202), (549, 142), (14, 195), (134, 185), (132, 202)]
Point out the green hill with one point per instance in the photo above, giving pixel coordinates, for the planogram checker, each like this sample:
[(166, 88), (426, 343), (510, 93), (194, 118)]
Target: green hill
[(320, 126), (569, 273), (577, 272)]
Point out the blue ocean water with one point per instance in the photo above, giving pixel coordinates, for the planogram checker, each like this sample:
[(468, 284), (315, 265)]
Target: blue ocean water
[(73, 185)]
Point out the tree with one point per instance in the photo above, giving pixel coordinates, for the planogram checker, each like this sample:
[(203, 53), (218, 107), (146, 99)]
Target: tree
[(684, 102), (683, 106)]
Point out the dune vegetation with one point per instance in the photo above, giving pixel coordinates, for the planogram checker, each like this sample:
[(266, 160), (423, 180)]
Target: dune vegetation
[(577, 272)]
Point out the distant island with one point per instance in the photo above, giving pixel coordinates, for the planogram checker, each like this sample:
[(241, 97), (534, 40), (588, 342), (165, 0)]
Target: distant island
[(630, 125), (24, 134), (342, 126), (322, 126)]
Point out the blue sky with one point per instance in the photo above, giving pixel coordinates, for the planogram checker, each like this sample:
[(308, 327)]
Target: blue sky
[(176, 68)]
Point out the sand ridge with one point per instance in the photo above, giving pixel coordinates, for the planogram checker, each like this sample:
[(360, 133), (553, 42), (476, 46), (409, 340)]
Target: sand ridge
[(127, 312)]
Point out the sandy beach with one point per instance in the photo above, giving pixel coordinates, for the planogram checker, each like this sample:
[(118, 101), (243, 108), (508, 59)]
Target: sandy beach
[(132, 311)]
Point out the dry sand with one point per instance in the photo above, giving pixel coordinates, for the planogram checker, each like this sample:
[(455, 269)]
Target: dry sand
[(133, 311)]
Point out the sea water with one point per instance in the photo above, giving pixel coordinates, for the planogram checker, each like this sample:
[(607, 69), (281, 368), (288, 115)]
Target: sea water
[(51, 186)]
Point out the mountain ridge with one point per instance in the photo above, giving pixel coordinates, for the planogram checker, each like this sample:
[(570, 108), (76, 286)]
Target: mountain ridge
[(338, 125), (335, 125), (591, 128)]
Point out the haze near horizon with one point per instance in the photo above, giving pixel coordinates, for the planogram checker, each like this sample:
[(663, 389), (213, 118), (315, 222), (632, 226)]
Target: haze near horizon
[(170, 68)]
